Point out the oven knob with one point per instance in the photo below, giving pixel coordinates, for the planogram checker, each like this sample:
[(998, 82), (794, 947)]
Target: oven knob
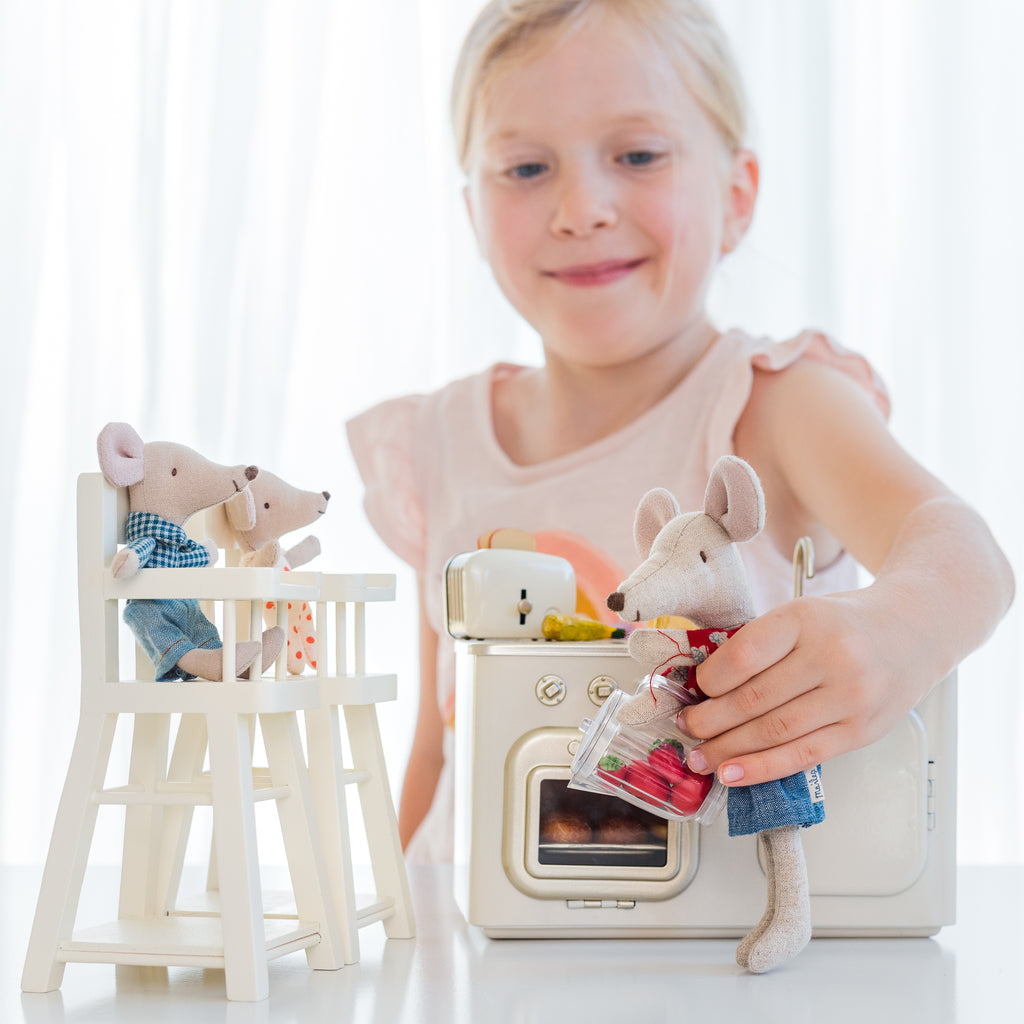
[(550, 690), (600, 689)]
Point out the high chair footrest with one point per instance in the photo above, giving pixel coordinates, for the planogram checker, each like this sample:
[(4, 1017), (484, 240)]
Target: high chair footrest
[(171, 794), (371, 908), (176, 941), (279, 905)]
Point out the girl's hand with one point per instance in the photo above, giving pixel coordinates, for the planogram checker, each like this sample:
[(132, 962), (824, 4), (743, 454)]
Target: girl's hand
[(809, 680)]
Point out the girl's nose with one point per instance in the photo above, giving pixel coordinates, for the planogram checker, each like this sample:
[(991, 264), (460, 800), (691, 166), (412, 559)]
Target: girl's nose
[(584, 204)]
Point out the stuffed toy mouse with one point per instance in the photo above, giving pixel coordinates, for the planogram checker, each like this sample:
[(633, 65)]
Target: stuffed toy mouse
[(693, 568), (254, 521), (167, 483)]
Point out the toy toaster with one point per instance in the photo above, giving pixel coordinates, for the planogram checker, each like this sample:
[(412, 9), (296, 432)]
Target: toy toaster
[(504, 593)]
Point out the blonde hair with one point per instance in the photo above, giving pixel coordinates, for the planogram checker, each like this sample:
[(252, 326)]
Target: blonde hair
[(506, 30)]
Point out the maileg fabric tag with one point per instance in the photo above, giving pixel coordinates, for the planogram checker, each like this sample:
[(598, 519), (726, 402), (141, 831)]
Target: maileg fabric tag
[(814, 786)]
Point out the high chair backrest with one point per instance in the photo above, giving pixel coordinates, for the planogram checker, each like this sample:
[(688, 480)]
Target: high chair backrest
[(102, 510)]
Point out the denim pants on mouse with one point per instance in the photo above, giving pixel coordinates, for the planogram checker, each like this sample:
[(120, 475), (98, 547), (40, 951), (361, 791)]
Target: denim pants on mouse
[(167, 630), (795, 800)]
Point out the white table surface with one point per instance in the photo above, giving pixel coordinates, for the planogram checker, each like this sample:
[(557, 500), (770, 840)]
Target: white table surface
[(971, 972)]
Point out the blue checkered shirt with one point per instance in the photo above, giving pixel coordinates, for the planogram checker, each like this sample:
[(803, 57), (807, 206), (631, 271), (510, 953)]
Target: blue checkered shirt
[(161, 544)]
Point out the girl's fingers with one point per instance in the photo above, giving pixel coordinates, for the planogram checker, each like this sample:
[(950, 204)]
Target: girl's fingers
[(752, 699), (786, 726), (788, 759), (760, 644)]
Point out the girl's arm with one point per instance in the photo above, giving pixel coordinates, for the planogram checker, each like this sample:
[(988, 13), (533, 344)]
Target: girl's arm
[(426, 756), (817, 677)]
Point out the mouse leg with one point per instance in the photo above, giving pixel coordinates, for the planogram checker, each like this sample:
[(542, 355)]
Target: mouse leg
[(751, 938), (789, 929)]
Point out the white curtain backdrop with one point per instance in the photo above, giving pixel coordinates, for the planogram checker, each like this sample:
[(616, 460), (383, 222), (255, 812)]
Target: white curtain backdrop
[(234, 224)]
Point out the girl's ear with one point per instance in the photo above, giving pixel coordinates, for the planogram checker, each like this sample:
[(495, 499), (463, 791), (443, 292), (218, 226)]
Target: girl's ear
[(467, 198), (740, 198)]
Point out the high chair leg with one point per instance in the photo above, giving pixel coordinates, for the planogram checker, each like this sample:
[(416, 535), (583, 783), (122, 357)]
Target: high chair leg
[(307, 865), (245, 955), (379, 818), (324, 750), (69, 853), (212, 874), (142, 822), (186, 766)]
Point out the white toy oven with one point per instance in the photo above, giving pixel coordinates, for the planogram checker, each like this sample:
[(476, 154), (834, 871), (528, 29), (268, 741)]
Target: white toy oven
[(882, 864)]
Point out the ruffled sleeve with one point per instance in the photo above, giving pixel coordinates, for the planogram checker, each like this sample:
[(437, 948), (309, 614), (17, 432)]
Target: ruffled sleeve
[(824, 349), (746, 354), (382, 441)]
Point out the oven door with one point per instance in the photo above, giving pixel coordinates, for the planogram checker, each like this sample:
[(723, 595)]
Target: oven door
[(561, 843)]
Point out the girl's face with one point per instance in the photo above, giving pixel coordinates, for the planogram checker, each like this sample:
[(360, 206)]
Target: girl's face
[(603, 197)]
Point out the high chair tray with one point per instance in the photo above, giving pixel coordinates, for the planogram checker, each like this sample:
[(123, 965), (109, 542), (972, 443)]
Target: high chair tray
[(199, 696), (212, 584)]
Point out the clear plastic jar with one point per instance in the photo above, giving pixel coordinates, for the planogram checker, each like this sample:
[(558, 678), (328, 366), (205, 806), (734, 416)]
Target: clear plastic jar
[(646, 764)]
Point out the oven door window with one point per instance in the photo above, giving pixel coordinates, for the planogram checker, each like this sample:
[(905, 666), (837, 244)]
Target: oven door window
[(571, 834), (561, 843), (577, 828)]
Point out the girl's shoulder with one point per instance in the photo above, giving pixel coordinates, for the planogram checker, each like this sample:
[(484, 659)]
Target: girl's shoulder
[(805, 383), (809, 355)]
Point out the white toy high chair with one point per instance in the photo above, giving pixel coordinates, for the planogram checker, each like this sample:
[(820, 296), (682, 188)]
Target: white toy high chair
[(232, 931), (347, 692)]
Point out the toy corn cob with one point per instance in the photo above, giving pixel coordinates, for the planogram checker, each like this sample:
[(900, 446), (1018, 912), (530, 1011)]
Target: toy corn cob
[(578, 627)]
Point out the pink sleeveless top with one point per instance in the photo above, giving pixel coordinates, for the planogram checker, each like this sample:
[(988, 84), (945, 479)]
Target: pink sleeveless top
[(436, 479)]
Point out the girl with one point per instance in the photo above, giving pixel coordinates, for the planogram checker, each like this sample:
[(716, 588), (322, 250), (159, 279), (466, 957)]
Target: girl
[(607, 176)]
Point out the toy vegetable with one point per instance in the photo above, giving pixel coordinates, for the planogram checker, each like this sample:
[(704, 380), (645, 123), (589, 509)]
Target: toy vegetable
[(578, 627)]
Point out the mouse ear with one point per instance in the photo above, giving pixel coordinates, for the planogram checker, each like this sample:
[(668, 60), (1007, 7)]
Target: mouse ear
[(734, 499), (120, 452), (656, 508), (241, 511)]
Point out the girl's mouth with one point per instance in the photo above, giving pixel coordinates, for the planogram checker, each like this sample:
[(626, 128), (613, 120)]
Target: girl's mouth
[(591, 275)]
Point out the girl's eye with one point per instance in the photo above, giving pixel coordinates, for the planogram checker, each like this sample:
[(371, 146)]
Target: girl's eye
[(639, 158), (526, 171)]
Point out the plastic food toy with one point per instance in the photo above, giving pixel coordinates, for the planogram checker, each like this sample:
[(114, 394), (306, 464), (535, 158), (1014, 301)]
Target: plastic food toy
[(578, 627), (167, 484), (255, 521), (644, 763), (692, 568)]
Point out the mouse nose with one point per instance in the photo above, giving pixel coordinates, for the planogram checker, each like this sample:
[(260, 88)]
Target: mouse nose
[(251, 472), (616, 601), (327, 495)]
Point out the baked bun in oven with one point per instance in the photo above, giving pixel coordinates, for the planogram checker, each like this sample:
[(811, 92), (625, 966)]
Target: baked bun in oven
[(565, 827)]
